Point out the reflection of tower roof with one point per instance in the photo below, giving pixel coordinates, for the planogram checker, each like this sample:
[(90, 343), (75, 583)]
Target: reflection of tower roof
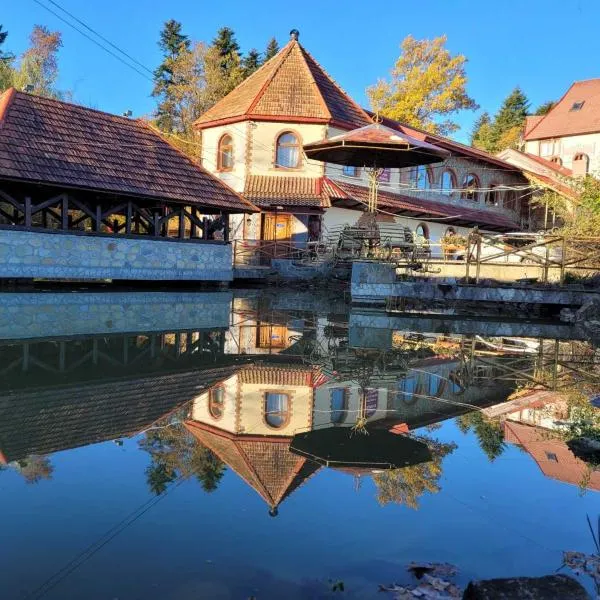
[(263, 462), (46, 420), (284, 374)]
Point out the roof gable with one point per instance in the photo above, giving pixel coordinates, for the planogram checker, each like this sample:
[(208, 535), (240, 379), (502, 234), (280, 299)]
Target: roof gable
[(62, 144), (291, 86), (563, 120)]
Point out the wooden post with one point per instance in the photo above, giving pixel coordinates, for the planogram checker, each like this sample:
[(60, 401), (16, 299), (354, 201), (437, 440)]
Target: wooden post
[(27, 211), (128, 217), (65, 213), (468, 257), (478, 268), (98, 218), (156, 224), (193, 226), (181, 224), (547, 262), (205, 228), (563, 258), (225, 227)]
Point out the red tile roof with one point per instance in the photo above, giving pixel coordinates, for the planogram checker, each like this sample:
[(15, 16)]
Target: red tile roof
[(62, 144), (543, 448), (530, 122), (357, 197), (549, 164), (563, 121), (269, 190), (290, 87)]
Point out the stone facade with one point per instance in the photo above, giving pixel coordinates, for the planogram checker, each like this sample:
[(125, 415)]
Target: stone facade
[(25, 254), (41, 315)]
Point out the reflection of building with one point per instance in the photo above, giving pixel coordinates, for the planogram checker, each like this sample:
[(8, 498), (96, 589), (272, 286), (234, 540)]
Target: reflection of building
[(552, 455), (249, 421)]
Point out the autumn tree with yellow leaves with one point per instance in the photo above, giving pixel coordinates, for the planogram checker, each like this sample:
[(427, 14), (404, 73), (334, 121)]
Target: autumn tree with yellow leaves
[(427, 86)]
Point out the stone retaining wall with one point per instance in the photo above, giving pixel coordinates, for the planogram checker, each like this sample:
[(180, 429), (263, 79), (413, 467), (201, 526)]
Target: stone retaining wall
[(60, 255), (49, 315)]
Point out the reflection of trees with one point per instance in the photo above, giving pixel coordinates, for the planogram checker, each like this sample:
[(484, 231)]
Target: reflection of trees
[(489, 432), (407, 485), (35, 468), (176, 453)]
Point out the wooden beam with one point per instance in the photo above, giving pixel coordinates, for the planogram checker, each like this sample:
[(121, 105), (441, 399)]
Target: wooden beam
[(64, 213)]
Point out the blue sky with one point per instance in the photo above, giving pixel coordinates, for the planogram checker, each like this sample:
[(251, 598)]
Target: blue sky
[(541, 45)]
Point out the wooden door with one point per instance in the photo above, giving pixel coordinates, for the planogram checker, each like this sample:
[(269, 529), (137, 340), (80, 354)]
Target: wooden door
[(277, 227)]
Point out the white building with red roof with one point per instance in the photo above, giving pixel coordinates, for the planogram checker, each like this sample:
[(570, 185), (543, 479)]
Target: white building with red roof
[(252, 139), (569, 135)]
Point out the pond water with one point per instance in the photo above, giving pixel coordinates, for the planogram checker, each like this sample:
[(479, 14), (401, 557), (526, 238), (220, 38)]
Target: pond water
[(272, 444)]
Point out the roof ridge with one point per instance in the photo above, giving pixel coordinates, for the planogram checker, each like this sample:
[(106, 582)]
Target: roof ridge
[(306, 55), (6, 99), (358, 107), (282, 55)]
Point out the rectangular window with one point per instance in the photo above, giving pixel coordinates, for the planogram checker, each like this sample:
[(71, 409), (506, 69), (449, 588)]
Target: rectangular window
[(577, 105), (351, 171), (551, 456), (547, 148)]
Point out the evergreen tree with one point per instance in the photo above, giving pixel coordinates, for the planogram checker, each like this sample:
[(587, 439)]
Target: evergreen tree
[(3, 34), (272, 49), (228, 50), (481, 135), (173, 44), (251, 62), (545, 108), (509, 120)]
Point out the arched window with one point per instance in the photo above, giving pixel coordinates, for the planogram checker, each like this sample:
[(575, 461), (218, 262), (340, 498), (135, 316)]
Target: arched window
[(450, 231), (287, 153), (422, 232), (469, 188), (493, 195), (448, 182), (277, 409), (216, 402), (225, 153), (338, 402), (580, 164), (421, 177)]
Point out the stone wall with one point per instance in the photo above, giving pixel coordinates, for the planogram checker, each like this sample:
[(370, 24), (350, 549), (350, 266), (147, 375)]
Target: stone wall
[(40, 315), (70, 256)]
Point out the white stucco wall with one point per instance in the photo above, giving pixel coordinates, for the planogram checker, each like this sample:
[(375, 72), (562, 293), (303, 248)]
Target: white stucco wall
[(567, 147), (227, 421)]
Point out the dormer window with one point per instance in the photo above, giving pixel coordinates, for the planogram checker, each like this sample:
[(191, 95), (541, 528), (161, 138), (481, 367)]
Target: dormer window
[(225, 153), (577, 106), (557, 160), (287, 151)]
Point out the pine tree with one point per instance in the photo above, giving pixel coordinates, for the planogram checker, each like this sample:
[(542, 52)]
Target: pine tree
[(251, 62), (3, 34), (545, 108), (173, 44), (228, 49), (223, 64), (509, 120), (481, 135), (272, 49)]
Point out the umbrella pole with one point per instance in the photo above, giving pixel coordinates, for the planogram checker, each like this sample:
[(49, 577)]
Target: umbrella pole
[(373, 175)]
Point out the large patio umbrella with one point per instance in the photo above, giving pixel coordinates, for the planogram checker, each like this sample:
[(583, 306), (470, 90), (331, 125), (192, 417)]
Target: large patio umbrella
[(375, 147), (341, 447)]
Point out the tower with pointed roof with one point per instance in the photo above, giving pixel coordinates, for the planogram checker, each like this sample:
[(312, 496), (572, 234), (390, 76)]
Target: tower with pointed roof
[(253, 140)]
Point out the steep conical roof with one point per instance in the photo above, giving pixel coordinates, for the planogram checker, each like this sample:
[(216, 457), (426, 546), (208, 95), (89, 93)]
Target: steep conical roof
[(291, 87)]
